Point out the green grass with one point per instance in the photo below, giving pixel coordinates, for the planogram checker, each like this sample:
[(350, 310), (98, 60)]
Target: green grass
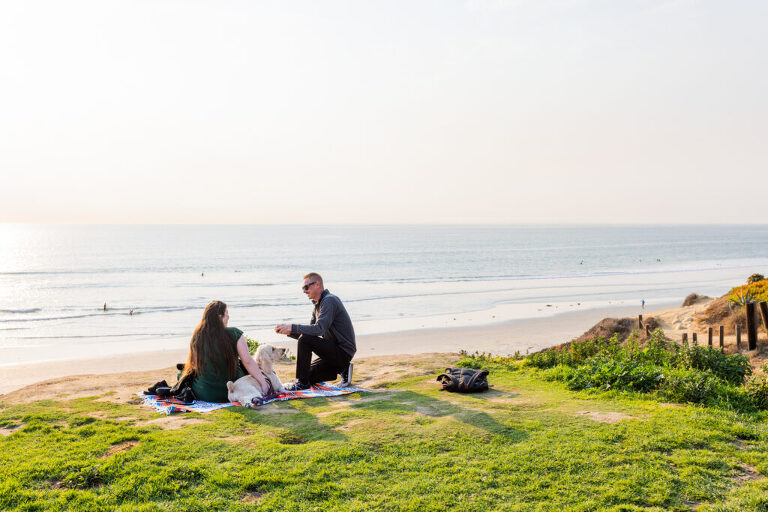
[(528, 444)]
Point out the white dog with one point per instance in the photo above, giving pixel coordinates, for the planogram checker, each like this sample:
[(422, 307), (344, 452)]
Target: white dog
[(266, 357), (245, 389)]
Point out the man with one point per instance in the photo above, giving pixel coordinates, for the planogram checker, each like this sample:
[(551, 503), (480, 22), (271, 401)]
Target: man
[(329, 334)]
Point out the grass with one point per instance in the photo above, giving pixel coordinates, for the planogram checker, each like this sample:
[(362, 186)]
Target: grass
[(526, 445)]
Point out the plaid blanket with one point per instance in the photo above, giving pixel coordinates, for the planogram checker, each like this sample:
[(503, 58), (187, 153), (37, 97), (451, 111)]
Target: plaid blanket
[(170, 405)]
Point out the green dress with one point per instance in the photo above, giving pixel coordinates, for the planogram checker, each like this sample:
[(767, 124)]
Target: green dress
[(211, 384)]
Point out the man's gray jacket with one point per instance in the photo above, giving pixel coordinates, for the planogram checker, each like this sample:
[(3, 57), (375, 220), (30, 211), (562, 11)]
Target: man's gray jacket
[(331, 322)]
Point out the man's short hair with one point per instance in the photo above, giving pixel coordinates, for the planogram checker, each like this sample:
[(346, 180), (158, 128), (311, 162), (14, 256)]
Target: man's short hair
[(317, 277)]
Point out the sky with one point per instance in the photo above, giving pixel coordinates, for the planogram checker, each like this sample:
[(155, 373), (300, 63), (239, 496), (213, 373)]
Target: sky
[(394, 112)]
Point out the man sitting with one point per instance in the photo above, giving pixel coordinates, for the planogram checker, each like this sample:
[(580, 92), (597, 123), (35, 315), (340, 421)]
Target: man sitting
[(329, 335)]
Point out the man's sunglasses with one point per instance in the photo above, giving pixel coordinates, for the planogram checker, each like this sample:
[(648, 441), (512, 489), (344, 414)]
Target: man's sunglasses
[(306, 286)]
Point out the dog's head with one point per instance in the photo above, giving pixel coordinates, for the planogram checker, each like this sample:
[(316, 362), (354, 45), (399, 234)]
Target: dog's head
[(269, 354)]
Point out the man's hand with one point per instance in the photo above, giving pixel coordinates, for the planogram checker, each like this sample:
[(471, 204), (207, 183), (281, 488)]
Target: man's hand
[(283, 329)]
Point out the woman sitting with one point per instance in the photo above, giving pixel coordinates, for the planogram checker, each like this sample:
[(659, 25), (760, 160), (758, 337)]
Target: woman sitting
[(213, 355)]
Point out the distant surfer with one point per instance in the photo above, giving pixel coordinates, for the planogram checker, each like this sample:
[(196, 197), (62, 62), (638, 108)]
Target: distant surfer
[(105, 306), (130, 312), (642, 304)]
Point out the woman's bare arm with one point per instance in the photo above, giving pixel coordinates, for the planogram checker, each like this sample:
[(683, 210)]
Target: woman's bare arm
[(250, 364)]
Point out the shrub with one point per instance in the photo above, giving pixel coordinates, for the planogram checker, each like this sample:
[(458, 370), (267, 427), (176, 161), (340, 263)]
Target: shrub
[(755, 278), (684, 373), (732, 368), (740, 298), (757, 388), (572, 355), (688, 385), (691, 299), (252, 345), (485, 361), (560, 373), (608, 373), (757, 290)]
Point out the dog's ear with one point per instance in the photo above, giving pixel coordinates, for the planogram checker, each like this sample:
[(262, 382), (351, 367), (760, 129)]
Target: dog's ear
[(260, 354), (230, 385)]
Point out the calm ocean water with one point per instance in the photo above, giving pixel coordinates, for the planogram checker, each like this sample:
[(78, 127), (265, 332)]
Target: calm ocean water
[(54, 280)]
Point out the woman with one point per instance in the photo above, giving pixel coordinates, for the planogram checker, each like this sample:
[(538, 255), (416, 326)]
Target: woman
[(213, 355)]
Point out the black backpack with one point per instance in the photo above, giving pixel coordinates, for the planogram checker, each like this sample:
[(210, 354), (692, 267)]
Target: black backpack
[(464, 380)]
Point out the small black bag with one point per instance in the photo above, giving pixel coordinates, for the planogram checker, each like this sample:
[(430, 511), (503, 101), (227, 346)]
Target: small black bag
[(464, 380)]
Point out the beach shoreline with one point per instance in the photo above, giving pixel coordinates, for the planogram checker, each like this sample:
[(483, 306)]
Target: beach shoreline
[(503, 338)]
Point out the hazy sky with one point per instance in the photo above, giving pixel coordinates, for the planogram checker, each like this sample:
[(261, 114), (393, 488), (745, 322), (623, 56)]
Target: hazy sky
[(479, 111)]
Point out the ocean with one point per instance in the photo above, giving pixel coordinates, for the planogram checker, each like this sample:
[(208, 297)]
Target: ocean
[(55, 279)]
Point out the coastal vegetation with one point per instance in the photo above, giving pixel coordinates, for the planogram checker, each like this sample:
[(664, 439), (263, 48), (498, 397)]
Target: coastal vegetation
[(755, 290), (547, 436), (664, 370)]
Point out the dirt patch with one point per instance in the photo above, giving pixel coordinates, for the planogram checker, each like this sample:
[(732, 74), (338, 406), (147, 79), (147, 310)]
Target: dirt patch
[(120, 447), (741, 445), (746, 473), (8, 431), (172, 421), (113, 387), (105, 415), (235, 439), (433, 412), (274, 409), (252, 497), (606, 417), (351, 424)]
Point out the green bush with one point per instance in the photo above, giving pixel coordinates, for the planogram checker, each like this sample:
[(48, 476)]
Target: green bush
[(609, 373), (687, 373), (757, 388), (252, 345), (575, 354), (732, 368), (687, 385), (485, 361)]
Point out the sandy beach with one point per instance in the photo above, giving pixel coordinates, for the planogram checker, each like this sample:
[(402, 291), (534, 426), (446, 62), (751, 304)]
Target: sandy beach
[(527, 335)]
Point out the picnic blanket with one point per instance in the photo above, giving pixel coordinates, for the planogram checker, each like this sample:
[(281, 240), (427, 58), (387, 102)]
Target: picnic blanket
[(170, 404)]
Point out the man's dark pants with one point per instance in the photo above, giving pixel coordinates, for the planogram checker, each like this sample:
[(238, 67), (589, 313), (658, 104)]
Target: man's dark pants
[(331, 360)]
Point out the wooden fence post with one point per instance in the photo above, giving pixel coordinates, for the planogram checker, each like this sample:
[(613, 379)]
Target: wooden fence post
[(738, 337), (685, 337), (751, 326), (709, 336), (694, 338), (764, 312), (639, 322), (647, 330), (722, 339)]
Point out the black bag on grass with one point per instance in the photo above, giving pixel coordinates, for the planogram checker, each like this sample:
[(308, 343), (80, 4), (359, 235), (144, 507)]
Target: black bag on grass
[(464, 380)]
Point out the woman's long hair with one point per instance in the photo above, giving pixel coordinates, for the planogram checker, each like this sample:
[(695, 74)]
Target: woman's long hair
[(212, 343)]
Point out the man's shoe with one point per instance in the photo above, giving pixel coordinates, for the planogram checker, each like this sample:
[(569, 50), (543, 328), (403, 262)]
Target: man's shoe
[(297, 386), (346, 377)]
